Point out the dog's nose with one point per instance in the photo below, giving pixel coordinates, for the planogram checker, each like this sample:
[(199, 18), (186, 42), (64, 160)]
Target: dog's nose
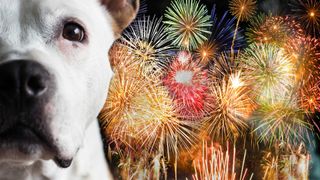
[(23, 79)]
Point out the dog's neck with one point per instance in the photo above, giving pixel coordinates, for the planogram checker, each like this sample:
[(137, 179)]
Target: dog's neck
[(89, 164)]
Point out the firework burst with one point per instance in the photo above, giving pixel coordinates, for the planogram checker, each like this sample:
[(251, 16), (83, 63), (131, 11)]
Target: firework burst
[(216, 164), (229, 108), (187, 84), (275, 30), (140, 115), (146, 40), (307, 12), (243, 9), (280, 122), (188, 23), (269, 70)]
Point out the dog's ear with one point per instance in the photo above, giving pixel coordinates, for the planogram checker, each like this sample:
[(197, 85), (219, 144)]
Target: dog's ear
[(123, 13)]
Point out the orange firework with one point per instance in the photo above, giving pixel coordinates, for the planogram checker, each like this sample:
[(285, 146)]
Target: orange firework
[(276, 30), (243, 9), (308, 14), (206, 52), (229, 109), (140, 115)]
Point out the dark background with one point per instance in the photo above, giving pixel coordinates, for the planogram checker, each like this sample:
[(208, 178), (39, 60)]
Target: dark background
[(276, 7)]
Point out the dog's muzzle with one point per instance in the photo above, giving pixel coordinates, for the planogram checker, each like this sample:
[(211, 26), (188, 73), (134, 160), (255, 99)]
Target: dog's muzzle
[(26, 88)]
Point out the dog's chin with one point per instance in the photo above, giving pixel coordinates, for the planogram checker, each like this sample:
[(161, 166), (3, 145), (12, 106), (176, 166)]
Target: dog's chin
[(24, 146)]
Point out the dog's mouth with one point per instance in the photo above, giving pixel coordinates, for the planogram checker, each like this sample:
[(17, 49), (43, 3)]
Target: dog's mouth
[(28, 141)]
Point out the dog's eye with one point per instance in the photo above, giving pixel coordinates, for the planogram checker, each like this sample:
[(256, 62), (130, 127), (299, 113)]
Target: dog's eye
[(73, 32)]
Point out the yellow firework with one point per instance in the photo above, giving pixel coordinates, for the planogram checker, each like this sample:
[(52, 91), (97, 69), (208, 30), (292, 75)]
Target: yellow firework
[(243, 9), (229, 108), (286, 163), (216, 164), (140, 115)]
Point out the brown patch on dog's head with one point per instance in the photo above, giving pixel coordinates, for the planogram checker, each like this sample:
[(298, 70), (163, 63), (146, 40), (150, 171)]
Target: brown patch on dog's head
[(123, 13)]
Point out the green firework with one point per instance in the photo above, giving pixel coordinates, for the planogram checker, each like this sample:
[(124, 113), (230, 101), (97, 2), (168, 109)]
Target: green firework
[(187, 23), (269, 71)]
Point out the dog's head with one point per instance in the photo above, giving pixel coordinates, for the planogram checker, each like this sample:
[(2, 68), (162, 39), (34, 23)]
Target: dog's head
[(54, 73)]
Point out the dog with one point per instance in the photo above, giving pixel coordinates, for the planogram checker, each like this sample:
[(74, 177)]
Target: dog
[(54, 77)]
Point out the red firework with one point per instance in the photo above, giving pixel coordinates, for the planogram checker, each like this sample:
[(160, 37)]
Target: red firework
[(187, 84)]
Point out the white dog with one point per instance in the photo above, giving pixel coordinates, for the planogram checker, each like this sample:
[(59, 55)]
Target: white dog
[(54, 75)]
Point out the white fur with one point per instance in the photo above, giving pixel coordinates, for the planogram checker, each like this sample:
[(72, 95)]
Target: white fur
[(82, 75)]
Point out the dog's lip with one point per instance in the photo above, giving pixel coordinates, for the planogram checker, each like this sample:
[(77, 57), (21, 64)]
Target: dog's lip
[(22, 133)]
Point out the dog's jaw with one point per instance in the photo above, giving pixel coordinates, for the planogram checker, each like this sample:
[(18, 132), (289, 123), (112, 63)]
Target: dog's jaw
[(88, 164)]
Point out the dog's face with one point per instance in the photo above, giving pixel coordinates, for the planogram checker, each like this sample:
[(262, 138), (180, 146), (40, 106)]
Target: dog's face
[(54, 73)]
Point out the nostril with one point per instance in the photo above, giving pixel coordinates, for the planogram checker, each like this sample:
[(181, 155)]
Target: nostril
[(35, 86)]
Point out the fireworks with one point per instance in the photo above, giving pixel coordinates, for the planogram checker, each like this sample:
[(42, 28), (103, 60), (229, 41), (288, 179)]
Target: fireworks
[(187, 84), (146, 39), (216, 164), (280, 122), (187, 23), (289, 163), (269, 70), (307, 12), (186, 78), (141, 165), (274, 30), (305, 55), (229, 109), (243, 9), (140, 115)]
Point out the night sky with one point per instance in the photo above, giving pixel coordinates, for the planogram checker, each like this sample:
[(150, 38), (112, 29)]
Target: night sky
[(276, 7)]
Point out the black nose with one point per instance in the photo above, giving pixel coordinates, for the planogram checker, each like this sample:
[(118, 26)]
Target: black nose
[(23, 79)]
